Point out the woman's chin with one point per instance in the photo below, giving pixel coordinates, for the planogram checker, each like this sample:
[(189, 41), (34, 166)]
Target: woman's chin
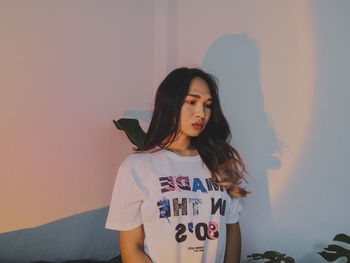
[(195, 134)]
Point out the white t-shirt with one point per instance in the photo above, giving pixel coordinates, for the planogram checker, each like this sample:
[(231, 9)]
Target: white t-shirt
[(183, 212)]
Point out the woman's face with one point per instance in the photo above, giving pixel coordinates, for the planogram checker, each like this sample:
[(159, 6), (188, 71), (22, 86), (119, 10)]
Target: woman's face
[(196, 109)]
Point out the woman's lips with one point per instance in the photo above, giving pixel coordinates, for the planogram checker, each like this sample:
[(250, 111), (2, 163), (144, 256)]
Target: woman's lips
[(197, 126)]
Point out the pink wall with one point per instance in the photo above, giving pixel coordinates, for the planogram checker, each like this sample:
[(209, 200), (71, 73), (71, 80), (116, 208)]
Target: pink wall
[(67, 69)]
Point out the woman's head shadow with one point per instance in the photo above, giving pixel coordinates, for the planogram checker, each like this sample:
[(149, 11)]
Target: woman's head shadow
[(234, 60)]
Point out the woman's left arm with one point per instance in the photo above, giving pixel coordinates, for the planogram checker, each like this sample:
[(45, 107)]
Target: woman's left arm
[(233, 243)]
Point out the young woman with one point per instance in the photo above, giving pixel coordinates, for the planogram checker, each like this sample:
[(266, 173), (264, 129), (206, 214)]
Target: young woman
[(177, 199)]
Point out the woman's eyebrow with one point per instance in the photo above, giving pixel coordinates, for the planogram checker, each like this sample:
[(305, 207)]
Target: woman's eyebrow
[(198, 96)]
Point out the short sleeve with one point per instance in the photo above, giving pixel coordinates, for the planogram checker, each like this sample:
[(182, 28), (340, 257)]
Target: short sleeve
[(125, 208), (234, 209)]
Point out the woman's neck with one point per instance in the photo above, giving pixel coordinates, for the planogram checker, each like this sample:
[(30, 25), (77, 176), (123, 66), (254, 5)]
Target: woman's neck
[(183, 152), (182, 146)]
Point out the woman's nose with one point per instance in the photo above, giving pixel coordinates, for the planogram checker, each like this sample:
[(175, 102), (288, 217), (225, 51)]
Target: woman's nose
[(200, 111)]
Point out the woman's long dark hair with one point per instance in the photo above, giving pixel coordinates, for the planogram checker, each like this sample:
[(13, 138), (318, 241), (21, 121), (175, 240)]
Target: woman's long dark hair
[(226, 165)]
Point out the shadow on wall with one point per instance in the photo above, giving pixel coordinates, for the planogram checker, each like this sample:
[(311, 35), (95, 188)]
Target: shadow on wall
[(234, 60), (81, 236)]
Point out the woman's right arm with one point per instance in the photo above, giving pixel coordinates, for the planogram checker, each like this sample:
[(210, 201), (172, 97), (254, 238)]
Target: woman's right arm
[(131, 246)]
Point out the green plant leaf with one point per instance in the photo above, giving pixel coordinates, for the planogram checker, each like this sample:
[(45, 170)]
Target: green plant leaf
[(272, 257), (333, 252), (336, 248), (342, 238), (254, 256), (330, 257), (270, 254), (132, 129), (289, 260)]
